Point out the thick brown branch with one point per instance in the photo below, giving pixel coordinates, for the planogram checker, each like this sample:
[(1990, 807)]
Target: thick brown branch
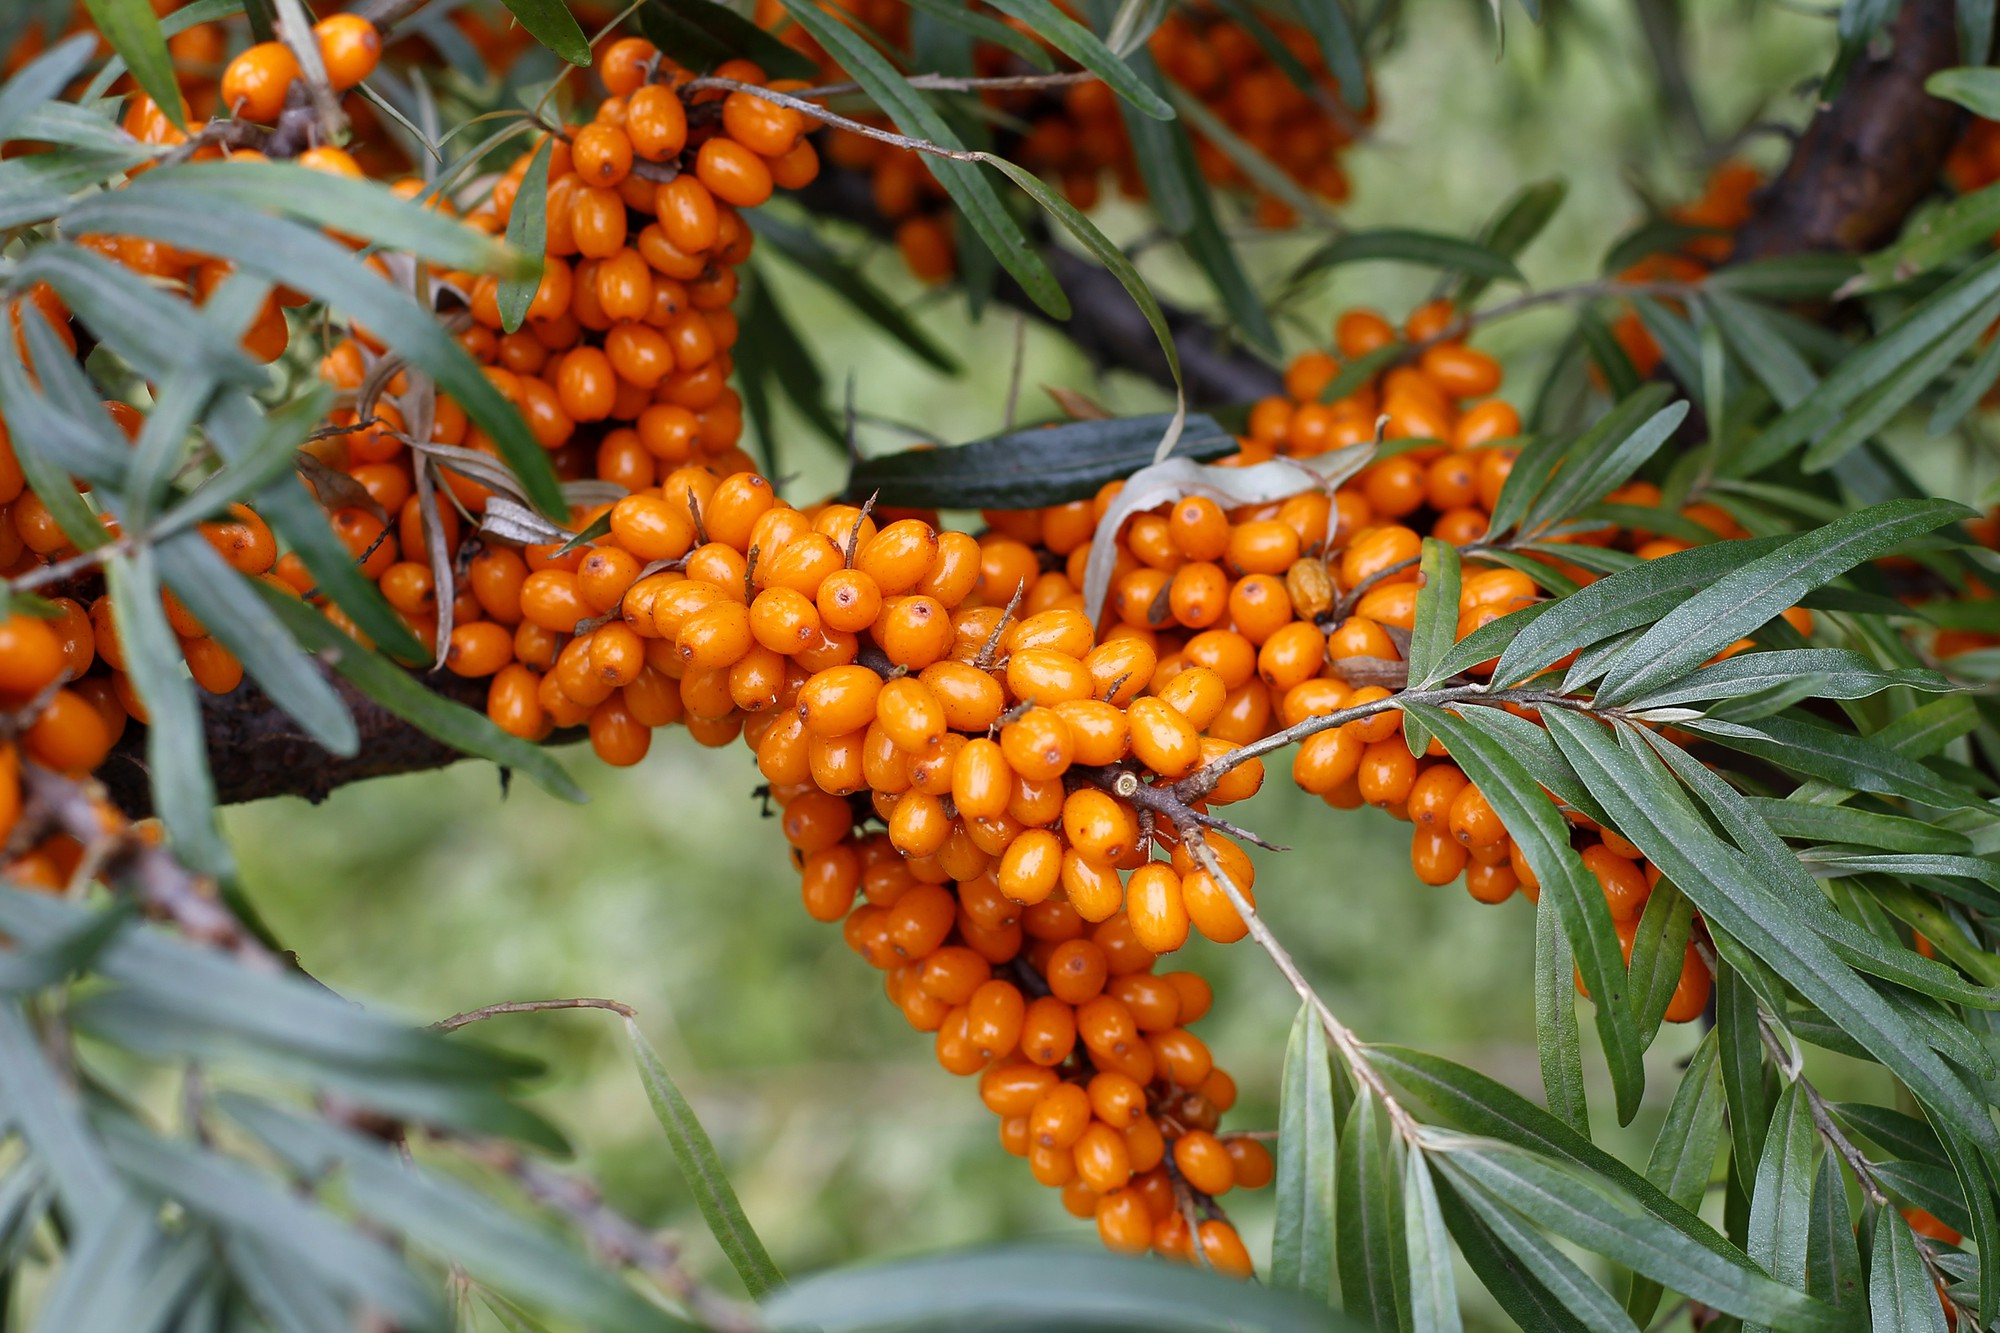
[(1871, 156)]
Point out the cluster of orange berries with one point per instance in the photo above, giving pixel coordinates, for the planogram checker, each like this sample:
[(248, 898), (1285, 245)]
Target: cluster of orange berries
[(1076, 134)]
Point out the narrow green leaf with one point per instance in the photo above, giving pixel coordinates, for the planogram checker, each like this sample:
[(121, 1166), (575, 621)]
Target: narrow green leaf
[(701, 34), (1026, 468), (1372, 1254), (1435, 629), (1552, 1272), (1834, 673), (1050, 1287), (1833, 1260), (702, 1170), (1683, 1155), (1261, 171), (1493, 1253), (1086, 49), (47, 1115), (1302, 1243), (1659, 951), (1583, 1211), (1742, 1060), (1976, 88), (527, 232), (1759, 591), (1631, 783), (1894, 1132), (1900, 1296), (176, 744), (1755, 339), (1803, 277), (1781, 1202), (1937, 236), (1966, 393), (550, 23), (1859, 762), (134, 33), (1333, 30), (1433, 1286), (42, 79), (1512, 228), (1975, 1171), (1408, 245), (1607, 354), (1170, 175), (983, 28), (1542, 835), (405, 696), (1556, 1036), (1872, 411), (914, 116), (1598, 464)]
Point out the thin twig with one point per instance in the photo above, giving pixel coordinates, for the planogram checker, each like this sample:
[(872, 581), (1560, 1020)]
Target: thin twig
[(484, 1012)]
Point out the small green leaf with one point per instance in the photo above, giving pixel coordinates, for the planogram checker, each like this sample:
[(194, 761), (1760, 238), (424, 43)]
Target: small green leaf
[(1832, 755), (527, 232), (702, 1170), (1936, 237), (47, 1115), (550, 23), (1805, 277), (701, 34), (1556, 1036), (134, 33), (42, 79), (1371, 1252), (1605, 457), (1659, 951), (1333, 30), (1975, 1172), (1900, 1296), (1302, 1244), (1833, 1261), (1976, 88), (1832, 673), (1546, 1273), (1756, 340), (1084, 47)]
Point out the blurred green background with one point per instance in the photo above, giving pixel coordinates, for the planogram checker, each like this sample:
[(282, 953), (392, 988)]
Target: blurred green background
[(440, 892)]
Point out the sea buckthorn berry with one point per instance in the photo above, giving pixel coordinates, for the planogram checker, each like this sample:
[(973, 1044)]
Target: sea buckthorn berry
[(1489, 421), (1209, 907), (1359, 331), (1264, 546), (1491, 884), (1076, 971), (1252, 1160), (350, 47), (1436, 856), (914, 631), (1091, 886), (1625, 888), (1048, 1031), (1473, 820), (1326, 760), (1103, 1161), (840, 700), (1031, 867), (69, 734), (656, 123), (1228, 654), (784, 620), (1120, 669), (601, 155), (717, 636), (994, 1017), (1163, 739), (1224, 1249), (1199, 530), (1098, 825), (1432, 794), (31, 655), (1123, 1223), (982, 779), (1292, 655), (1386, 773), (255, 83), (733, 173), (1012, 1088), (1038, 745), (1181, 1057), (1045, 677), (899, 556), (1204, 1163), (765, 127), (1154, 907), (971, 699)]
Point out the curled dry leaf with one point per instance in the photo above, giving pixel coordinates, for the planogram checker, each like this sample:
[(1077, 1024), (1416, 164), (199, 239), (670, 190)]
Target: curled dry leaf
[(336, 490), (1178, 478), (511, 521)]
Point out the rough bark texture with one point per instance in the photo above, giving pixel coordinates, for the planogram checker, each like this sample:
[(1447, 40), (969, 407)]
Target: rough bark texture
[(1859, 168), (1871, 156)]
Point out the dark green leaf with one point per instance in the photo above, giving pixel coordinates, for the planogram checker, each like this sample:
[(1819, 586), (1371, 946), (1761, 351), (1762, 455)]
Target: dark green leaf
[(811, 255), (971, 191), (1084, 47), (702, 1170), (1836, 756), (1552, 1271), (1407, 245), (1171, 176), (1542, 836), (1683, 1155), (1210, 247), (1833, 673), (1639, 795), (1607, 354), (1742, 1059), (1370, 1248), (527, 232), (1512, 229), (1028, 468), (1894, 1132), (1659, 950), (1975, 1182), (1262, 173), (1976, 88), (1937, 236), (701, 34), (550, 23), (1755, 338), (1496, 1256), (1741, 601), (983, 28), (1833, 823), (1802, 277), (405, 696), (1781, 1202), (1868, 414), (116, 1277), (1605, 457), (1333, 30), (1900, 1296), (1581, 1210), (1302, 1244), (134, 33), (1966, 393), (1833, 1261), (1556, 1036), (1489, 640)]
